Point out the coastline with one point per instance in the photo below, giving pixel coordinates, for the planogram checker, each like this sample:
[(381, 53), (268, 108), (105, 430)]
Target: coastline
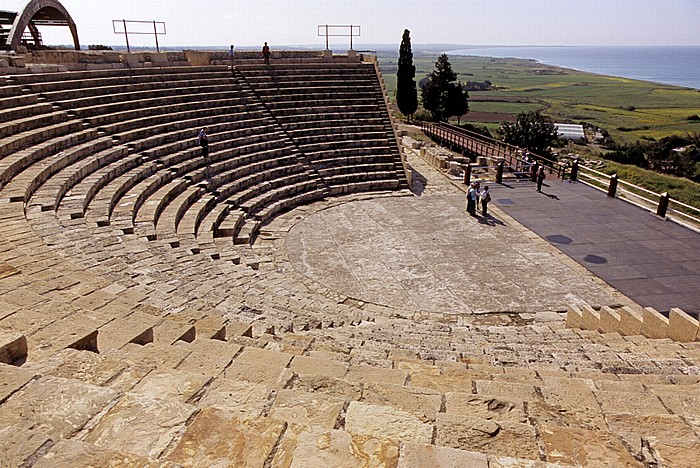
[(664, 65)]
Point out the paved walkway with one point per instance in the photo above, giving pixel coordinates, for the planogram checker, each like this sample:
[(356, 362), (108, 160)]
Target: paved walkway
[(426, 253), (654, 262)]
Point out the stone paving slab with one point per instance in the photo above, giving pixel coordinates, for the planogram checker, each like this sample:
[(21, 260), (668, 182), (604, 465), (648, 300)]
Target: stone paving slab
[(653, 261), (426, 253)]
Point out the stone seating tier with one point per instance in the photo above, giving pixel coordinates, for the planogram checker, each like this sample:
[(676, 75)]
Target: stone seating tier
[(116, 300)]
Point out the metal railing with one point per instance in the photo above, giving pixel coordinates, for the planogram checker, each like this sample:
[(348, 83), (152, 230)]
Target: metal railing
[(659, 203), (472, 144)]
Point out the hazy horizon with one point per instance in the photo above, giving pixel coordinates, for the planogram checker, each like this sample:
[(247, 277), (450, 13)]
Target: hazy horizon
[(506, 23)]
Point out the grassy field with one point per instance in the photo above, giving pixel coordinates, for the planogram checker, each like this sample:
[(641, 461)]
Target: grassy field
[(678, 188), (627, 109)]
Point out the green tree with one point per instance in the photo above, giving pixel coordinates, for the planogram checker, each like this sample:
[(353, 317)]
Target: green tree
[(406, 91), (532, 131), (441, 96), (457, 101)]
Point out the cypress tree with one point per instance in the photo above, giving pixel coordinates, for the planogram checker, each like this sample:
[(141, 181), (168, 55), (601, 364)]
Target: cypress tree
[(406, 92)]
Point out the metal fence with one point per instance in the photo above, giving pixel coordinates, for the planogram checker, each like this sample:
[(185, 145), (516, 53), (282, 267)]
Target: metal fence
[(507, 161)]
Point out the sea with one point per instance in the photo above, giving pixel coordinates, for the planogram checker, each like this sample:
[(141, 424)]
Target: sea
[(675, 65)]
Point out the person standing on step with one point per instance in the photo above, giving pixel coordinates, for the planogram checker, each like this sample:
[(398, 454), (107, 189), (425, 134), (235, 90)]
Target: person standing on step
[(266, 53), (230, 57), (485, 197), (540, 179), (204, 142)]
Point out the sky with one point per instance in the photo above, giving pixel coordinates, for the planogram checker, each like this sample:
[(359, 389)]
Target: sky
[(465, 22)]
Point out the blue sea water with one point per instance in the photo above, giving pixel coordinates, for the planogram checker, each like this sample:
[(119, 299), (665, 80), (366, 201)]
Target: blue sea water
[(676, 65)]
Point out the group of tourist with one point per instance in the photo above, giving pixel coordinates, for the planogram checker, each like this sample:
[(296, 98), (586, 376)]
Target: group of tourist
[(478, 196)]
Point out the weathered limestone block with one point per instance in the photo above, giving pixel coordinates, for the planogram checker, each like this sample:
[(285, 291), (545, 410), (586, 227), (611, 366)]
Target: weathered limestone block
[(384, 422), (171, 330), (73, 331), (197, 58), (681, 326), (654, 324), (567, 404), (417, 455), (609, 320), (7, 270), (171, 385), (423, 403), (307, 409), (217, 438), (467, 404), (159, 58), (630, 322), (590, 318), (680, 402), (319, 366), (134, 57), (342, 450), (581, 447), (679, 453), (209, 357), (240, 398), (490, 437), (632, 403), (370, 374), (17, 444), (86, 366), (329, 386), (154, 354), (12, 379), (543, 414), (76, 453), (13, 347), (54, 406), (145, 425), (451, 382), (511, 390), (135, 328), (510, 462), (260, 366), (669, 430)]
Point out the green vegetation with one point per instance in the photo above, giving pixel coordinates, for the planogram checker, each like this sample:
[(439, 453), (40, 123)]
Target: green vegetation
[(441, 96), (532, 131), (631, 112), (569, 96), (681, 189)]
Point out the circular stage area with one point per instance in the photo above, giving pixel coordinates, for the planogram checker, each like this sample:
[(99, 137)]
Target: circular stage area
[(427, 254)]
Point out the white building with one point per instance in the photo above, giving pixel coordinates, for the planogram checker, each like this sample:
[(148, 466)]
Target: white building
[(570, 131)]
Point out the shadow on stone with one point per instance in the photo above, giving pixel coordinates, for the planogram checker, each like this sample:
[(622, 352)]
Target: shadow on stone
[(595, 259), (559, 239)]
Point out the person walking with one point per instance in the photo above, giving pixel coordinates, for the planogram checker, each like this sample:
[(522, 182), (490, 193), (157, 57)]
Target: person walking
[(266, 53), (470, 199), (204, 142), (540, 179), (485, 197), (230, 57)]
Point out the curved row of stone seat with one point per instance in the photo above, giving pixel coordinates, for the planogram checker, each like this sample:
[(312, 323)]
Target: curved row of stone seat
[(530, 413), (133, 160), (496, 409), (311, 103)]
